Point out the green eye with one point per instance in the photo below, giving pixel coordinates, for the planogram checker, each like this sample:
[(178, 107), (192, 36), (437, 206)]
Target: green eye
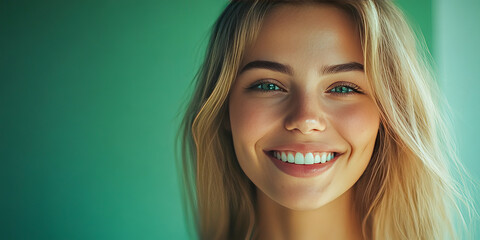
[(267, 87), (342, 89)]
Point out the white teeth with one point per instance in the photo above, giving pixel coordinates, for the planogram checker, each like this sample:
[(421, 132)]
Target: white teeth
[(309, 158), (290, 158), (300, 158), (324, 158), (330, 156)]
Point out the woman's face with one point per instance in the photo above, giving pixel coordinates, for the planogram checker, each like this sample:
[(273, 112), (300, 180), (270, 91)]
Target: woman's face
[(301, 113)]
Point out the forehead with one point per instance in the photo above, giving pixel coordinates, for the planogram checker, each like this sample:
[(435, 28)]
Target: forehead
[(303, 33)]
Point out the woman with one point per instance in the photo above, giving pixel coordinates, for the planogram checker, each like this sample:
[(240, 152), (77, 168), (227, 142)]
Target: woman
[(317, 120)]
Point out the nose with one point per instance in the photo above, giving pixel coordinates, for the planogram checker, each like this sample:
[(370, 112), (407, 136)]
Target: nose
[(306, 115)]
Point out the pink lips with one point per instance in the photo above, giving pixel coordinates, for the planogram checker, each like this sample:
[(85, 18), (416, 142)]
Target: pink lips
[(302, 170)]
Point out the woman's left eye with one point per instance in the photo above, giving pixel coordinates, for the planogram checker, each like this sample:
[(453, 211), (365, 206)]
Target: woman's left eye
[(344, 89)]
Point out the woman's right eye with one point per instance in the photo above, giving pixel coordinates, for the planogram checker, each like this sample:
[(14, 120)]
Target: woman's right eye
[(265, 87)]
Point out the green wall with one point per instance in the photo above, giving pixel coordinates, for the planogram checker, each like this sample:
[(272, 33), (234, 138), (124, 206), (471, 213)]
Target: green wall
[(457, 35), (89, 97), (419, 15)]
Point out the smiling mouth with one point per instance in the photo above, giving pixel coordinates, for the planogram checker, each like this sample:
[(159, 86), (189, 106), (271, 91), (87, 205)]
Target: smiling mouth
[(303, 158)]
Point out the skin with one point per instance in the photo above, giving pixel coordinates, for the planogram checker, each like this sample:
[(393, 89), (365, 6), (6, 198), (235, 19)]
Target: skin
[(302, 110)]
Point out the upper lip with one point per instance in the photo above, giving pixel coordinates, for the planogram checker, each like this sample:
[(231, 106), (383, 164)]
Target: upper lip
[(304, 148)]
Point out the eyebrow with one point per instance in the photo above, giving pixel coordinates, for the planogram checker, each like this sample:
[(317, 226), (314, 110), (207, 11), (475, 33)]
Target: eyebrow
[(282, 68)]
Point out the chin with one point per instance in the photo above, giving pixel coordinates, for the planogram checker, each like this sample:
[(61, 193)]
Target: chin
[(302, 201)]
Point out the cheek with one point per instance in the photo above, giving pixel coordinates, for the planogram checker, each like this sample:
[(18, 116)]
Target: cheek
[(357, 124), (244, 120), (251, 118), (249, 121), (240, 118)]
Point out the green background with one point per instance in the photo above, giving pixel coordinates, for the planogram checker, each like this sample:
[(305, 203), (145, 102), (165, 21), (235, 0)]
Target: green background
[(90, 93)]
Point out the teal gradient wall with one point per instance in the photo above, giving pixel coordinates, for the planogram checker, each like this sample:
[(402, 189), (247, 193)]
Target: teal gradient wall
[(457, 37), (89, 97)]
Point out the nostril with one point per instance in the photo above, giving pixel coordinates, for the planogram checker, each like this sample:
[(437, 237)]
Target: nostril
[(306, 125)]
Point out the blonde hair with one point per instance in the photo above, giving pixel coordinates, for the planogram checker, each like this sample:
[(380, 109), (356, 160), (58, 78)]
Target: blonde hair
[(408, 188)]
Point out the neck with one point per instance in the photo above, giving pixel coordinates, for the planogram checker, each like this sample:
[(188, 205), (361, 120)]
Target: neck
[(336, 220)]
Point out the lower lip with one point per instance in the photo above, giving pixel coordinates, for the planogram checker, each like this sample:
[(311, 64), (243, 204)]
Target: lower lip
[(303, 170)]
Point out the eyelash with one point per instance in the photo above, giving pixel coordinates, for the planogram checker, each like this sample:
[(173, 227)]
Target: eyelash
[(256, 85), (351, 88)]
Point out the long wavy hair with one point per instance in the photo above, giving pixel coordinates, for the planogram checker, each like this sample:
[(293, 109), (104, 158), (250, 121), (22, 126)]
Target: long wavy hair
[(414, 184)]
